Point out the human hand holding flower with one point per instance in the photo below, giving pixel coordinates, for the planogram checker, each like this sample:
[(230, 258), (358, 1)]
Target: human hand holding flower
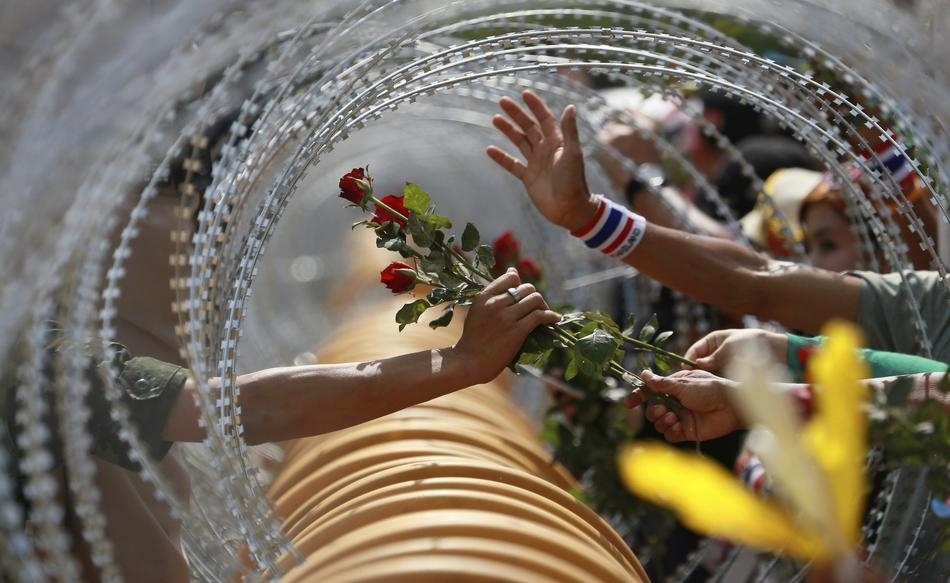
[(497, 325), (714, 351), (458, 273), (707, 411)]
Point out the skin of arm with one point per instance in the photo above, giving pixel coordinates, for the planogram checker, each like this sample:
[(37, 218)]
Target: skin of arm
[(715, 271), (668, 207), (298, 401)]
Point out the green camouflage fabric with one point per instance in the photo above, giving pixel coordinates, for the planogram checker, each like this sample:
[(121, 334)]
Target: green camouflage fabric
[(149, 390)]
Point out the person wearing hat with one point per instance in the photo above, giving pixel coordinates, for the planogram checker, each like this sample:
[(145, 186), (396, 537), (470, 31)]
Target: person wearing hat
[(773, 223), (720, 272)]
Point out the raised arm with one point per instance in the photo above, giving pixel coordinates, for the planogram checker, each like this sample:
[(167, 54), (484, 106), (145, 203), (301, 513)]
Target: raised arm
[(291, 402), (720, 272)]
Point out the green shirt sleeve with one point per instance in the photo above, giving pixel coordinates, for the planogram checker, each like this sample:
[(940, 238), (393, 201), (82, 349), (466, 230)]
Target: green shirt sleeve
[(149, 390), (882, 363), (887, 319)]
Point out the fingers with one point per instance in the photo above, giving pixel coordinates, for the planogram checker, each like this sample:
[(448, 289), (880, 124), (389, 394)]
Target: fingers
[(542, 113), (572, 139), (634, 399), (531, 309), (507, 161), (669, 424), (665, 422), (501, 283), (523, 121), (656, 412), (660, 384), (513, 134), (705, 350)]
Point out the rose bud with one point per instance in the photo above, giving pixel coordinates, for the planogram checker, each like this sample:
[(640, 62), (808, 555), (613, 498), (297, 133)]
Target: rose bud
[(528, 270), (506, 250), (383, 215), (398, 277), (350, 187)]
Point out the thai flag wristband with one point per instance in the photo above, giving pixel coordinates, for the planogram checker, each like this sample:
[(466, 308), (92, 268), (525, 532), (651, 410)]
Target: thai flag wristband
[(614, 230)]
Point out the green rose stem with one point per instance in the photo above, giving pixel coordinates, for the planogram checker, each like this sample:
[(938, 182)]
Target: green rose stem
[(641, 345), (570, 340), (458, 256), (560, 333)]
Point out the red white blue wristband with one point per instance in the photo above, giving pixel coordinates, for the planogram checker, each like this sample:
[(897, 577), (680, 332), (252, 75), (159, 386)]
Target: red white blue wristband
[(614, 229)]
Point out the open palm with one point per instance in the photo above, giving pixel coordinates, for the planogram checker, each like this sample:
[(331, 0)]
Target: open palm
[(553, 167)]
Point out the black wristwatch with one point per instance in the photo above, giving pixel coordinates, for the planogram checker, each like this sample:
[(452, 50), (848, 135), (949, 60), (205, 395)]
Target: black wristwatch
[(648, 177)]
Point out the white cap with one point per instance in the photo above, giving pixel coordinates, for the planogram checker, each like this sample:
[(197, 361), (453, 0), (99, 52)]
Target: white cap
[(786, 189)]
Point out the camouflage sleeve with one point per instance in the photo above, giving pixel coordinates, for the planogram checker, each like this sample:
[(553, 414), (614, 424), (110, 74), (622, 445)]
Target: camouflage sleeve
[(149, 389)]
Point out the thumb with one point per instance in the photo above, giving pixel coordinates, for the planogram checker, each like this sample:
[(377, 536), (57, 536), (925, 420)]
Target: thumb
[(709, 362), (655, 382), (661, 384)]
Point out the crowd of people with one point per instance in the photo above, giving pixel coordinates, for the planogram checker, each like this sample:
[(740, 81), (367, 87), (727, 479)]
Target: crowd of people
[(642, 231), (733, 278)]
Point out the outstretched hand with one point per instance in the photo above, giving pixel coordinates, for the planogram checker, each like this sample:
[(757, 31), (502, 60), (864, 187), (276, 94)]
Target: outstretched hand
[(553, 167), (497, 325), (706, 413), (715, 350)]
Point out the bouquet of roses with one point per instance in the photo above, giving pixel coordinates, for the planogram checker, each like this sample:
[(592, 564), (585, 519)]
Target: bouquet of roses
[(455, 270)]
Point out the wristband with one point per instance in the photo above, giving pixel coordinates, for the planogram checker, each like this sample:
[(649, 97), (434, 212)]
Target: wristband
[(614, 230)]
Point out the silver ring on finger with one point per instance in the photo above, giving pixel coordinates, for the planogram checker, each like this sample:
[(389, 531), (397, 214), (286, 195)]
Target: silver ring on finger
[(513, 292)]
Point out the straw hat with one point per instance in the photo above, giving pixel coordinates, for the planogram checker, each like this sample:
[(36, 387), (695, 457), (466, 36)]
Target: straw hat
[(785, 189)]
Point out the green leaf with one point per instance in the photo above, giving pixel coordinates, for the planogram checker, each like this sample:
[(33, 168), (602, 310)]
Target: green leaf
[(485, 256), (598, 347), (438, 221), (470, 237), (587, 328), (539, 339), (420, 230), (571, 370), (440, 295), (630, 325), (662, 363), (396, 246), (537, 359), (434, 263), (444, 320), (416, 199), (661, 338), (604, 320), (409, 313), (649, 329), (450, 280), (897, 394)]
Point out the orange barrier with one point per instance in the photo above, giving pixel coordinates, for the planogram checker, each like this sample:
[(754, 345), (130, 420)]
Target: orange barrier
[(456, 488)]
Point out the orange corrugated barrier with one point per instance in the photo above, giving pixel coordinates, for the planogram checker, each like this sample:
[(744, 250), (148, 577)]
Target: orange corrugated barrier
[(455, 489)]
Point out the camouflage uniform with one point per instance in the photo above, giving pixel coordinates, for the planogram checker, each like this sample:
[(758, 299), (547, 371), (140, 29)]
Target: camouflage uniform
[(149, 389)]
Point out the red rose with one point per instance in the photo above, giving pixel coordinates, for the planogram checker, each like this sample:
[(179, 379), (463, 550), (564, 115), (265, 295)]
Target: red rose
[(804, 354), (528, 270), (384, 216), (506, 251), (396, 280), (350, 189)]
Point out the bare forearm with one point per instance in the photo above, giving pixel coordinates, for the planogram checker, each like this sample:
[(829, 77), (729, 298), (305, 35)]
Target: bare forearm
[(740, 281), (670, 209), (292, 402)]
